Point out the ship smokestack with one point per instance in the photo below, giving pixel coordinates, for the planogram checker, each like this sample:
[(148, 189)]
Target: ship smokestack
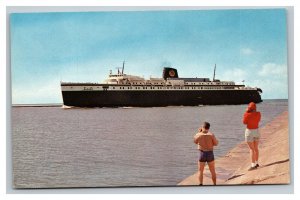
[(169, 73)]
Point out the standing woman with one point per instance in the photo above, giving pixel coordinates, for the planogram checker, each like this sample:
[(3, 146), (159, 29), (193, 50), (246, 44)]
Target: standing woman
[(252, 119)]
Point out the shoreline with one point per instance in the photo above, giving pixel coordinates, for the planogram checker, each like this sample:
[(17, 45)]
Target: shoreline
[(232, 169)]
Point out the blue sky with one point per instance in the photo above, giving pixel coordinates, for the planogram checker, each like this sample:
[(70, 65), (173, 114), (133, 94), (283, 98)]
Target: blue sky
[(47, 48)]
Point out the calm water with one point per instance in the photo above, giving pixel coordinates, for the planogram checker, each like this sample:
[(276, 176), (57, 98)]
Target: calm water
[(104, 147)]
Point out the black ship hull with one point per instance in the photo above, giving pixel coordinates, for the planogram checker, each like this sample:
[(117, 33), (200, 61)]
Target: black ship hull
[(159, 98)]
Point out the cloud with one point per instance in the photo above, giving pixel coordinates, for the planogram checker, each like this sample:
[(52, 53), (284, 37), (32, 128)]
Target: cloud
[(270, 77), (273, 79), (273, 69), (235, 74), (48, 92), (246, 51), (272, 89)]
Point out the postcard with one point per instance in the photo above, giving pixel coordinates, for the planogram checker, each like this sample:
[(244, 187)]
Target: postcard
[(149, 98)]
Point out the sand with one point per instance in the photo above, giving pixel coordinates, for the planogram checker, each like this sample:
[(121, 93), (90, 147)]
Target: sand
[(232, 169)]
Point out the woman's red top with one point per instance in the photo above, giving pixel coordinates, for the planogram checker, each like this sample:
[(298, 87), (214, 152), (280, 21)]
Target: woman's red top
[(252, 119)]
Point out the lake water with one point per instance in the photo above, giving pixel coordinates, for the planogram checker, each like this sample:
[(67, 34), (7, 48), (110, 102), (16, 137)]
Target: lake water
[(111, 147)]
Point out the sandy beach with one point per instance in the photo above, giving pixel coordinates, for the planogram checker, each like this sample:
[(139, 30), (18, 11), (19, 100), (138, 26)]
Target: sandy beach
[(232, 169)]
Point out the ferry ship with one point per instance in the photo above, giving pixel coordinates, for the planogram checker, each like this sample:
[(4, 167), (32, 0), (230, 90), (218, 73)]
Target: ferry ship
[(123, 90)]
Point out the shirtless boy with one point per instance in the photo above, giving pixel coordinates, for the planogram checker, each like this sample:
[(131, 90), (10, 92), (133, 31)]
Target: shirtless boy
[(206, 142)]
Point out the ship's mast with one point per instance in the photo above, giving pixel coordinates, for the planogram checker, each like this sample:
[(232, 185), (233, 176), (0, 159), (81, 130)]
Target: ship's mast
[(214, 72), (123, 67)]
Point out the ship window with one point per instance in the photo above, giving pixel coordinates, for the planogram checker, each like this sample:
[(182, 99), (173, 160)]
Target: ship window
[(113, 87)]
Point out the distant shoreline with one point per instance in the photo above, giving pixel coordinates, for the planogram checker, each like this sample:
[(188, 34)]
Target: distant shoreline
[(37, 105), (61, 104)]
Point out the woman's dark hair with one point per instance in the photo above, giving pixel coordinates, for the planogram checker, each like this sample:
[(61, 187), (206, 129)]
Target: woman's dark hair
[(206, 125)]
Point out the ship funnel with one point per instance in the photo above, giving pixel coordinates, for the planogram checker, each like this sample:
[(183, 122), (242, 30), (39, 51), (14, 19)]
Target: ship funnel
[(169, 73)]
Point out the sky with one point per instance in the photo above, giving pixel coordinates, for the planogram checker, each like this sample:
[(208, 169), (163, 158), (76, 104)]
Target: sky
[(247, 44)]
